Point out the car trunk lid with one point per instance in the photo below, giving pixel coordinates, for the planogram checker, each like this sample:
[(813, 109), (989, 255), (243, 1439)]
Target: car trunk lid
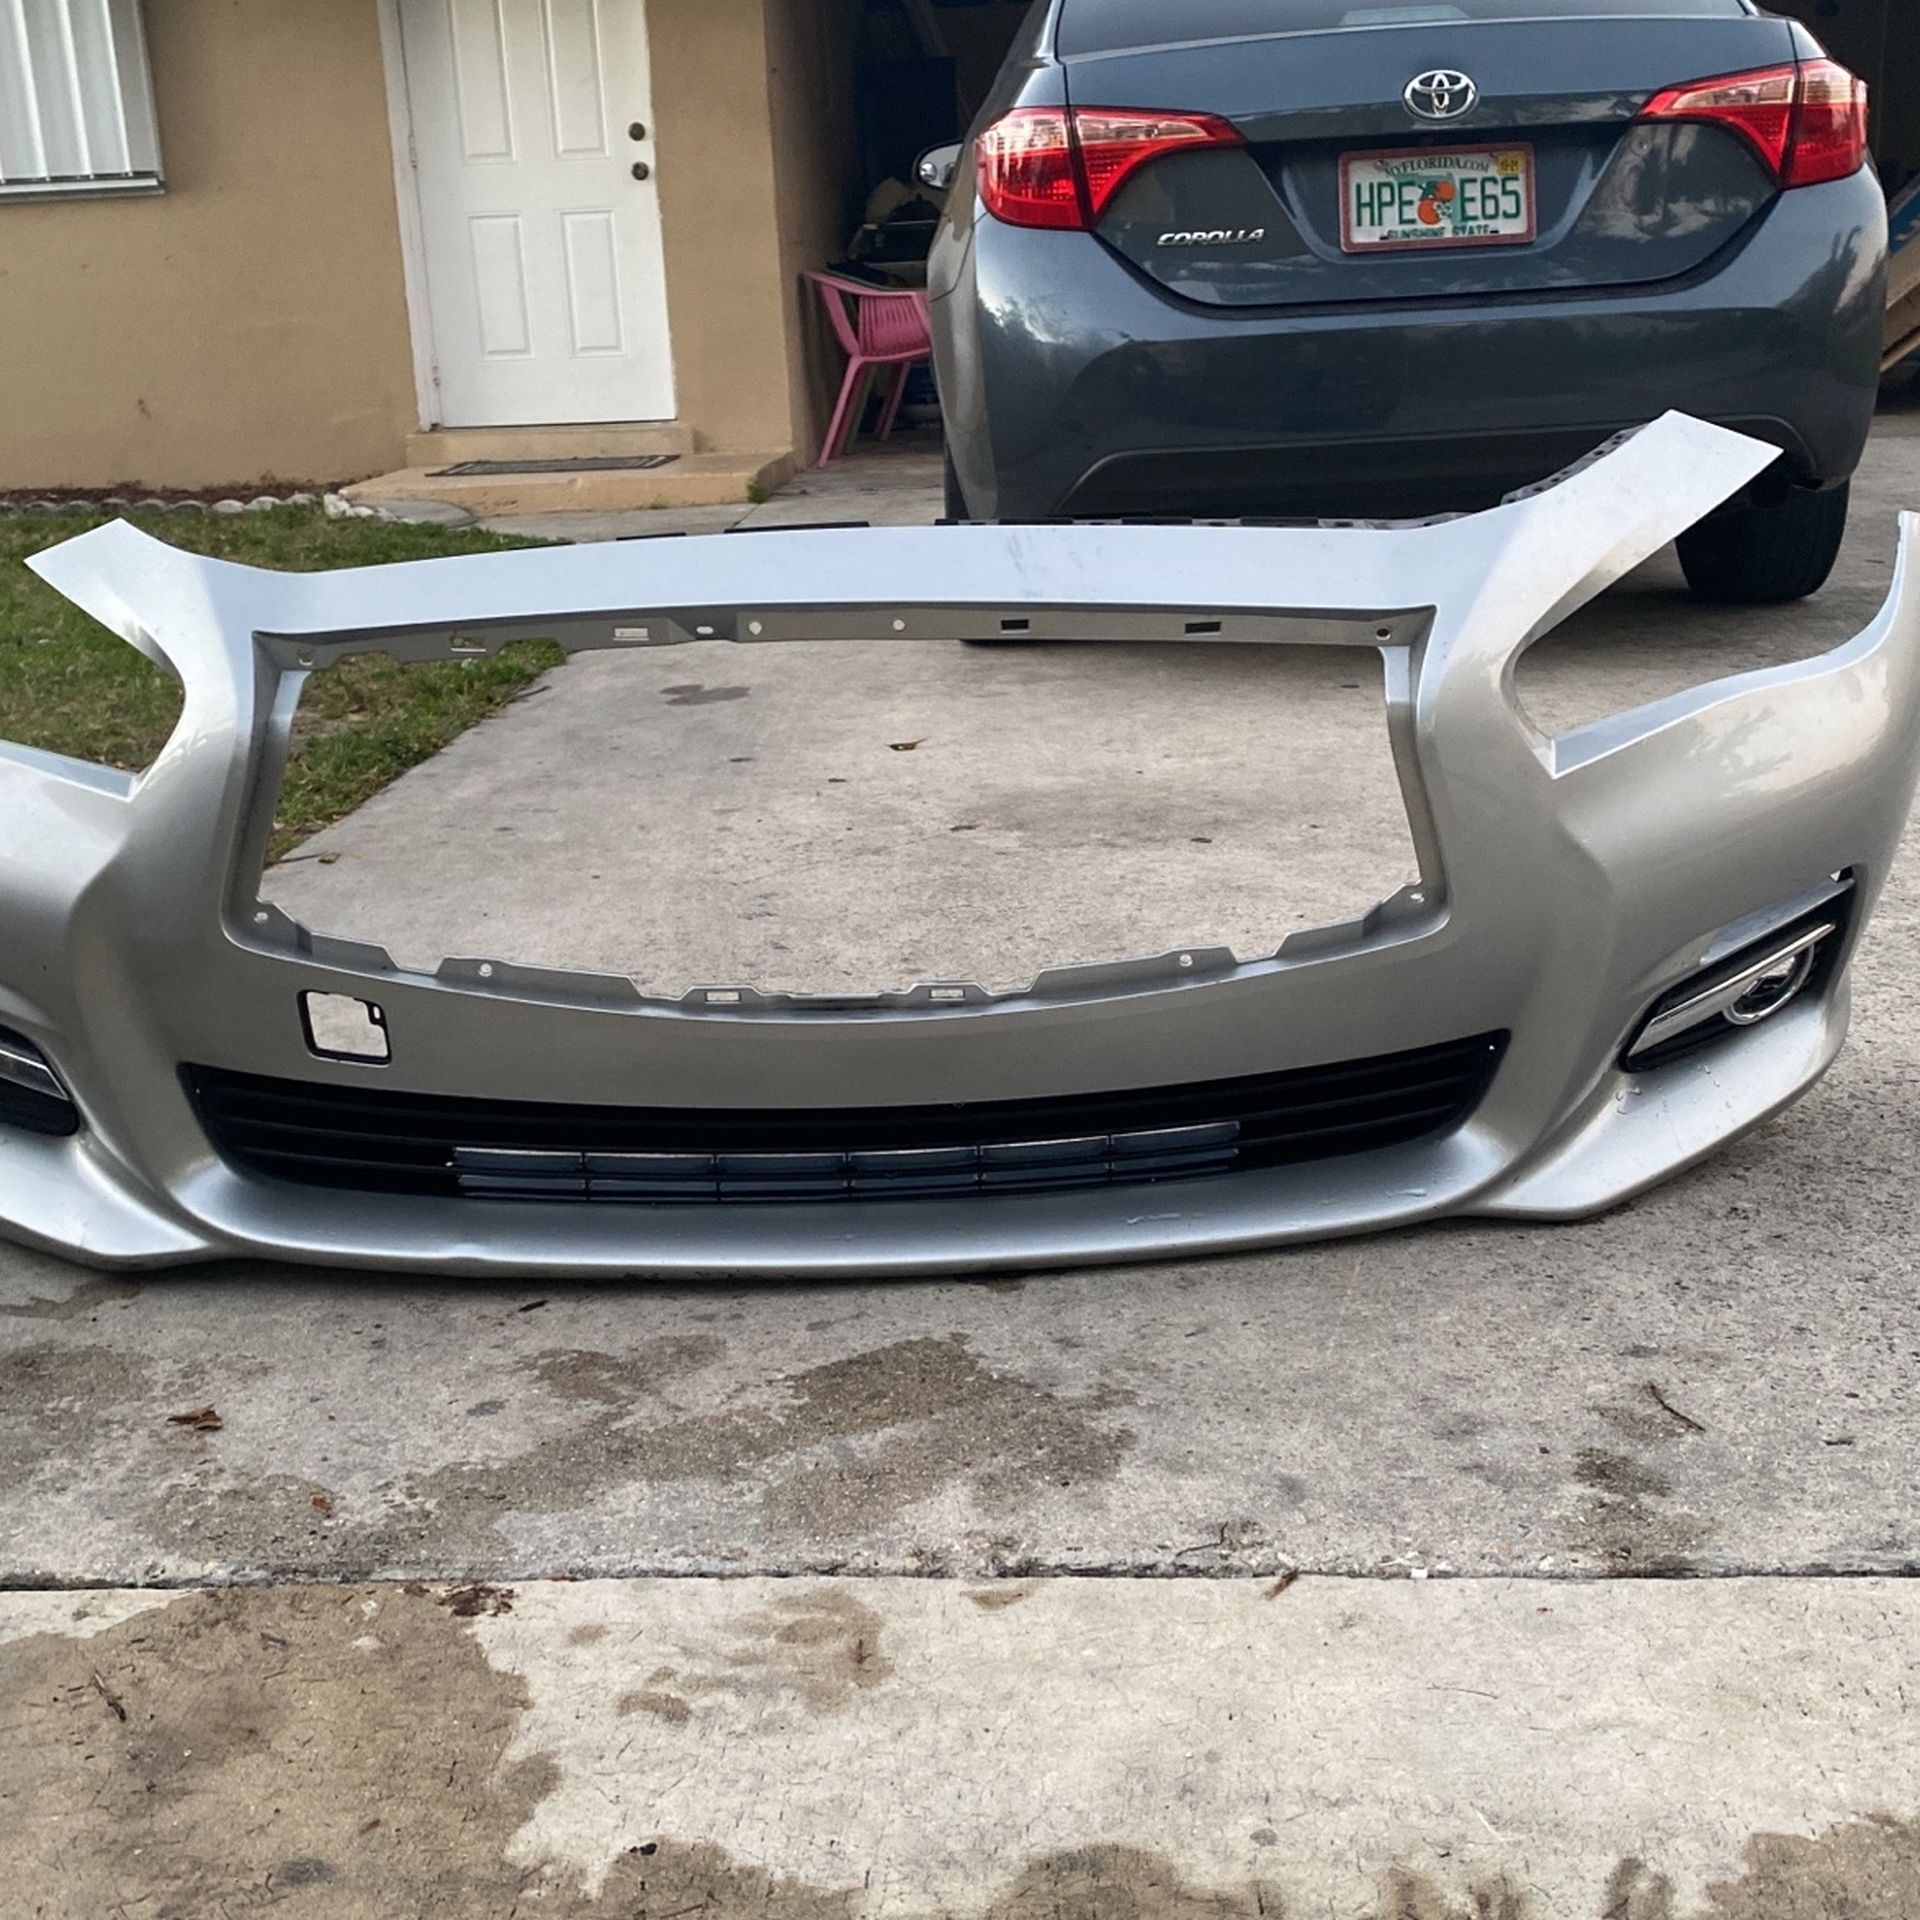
[(1556, 103)]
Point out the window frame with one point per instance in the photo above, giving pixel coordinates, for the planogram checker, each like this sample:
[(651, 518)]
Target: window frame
[(123, 79)]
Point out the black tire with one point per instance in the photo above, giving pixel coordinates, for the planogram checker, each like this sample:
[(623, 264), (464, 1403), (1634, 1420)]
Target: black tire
[(1764, 555), (956, 500)]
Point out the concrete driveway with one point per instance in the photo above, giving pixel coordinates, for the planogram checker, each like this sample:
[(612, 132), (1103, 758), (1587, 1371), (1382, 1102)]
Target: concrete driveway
[(1716, 1381)]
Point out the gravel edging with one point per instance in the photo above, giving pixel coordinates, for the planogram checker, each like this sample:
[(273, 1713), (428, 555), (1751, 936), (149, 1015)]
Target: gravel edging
[(336, 506)]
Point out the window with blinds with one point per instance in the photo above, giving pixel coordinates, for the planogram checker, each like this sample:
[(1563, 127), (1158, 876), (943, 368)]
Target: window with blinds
[(76, 102)]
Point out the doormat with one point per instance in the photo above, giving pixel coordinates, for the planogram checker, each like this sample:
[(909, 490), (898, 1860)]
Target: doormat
[(604, 463)]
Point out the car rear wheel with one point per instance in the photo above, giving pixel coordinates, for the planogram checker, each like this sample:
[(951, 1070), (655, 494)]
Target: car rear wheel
[(1762, 555), (956, 500)]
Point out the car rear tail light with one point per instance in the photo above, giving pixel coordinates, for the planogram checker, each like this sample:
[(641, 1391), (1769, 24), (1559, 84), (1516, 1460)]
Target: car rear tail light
[(1830, 141), (1061, 166), (1807, 122)]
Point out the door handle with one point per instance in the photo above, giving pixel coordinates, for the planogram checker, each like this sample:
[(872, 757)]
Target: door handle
[(637, 131), (641, 171)]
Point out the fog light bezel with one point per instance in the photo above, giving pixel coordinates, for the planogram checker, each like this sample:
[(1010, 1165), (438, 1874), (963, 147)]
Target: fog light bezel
[(1804, 949), (32, 1095)]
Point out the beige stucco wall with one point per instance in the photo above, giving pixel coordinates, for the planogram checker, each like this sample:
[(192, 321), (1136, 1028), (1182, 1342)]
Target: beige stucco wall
[(248, 324)]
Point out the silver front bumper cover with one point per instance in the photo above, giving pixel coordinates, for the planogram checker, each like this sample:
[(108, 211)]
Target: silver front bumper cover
[(1568, 886)]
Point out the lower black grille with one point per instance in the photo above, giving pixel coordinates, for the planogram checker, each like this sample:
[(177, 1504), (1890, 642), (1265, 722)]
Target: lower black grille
[(372, 1140)]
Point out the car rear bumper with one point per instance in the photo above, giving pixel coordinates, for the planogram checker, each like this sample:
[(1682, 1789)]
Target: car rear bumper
[(1074, 386), (1566, 886)]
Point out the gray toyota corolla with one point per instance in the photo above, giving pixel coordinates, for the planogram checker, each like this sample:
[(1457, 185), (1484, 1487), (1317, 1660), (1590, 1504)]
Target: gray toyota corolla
[(1300, 257)]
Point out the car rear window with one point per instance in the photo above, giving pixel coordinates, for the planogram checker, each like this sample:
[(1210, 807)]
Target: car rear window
[(1112, 26)]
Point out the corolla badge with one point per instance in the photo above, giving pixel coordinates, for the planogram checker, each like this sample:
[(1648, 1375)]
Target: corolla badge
[(1442, 94), (1214, 237)]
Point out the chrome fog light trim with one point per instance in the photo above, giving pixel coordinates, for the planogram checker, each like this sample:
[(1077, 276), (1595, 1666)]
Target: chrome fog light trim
[(31, 1095), (1749, 996)]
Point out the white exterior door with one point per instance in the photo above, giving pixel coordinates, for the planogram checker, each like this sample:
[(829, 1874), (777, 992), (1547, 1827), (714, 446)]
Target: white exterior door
[(545, 285)]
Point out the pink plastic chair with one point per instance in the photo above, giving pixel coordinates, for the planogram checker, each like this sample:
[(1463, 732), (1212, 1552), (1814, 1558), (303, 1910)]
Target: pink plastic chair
[(876, 327)]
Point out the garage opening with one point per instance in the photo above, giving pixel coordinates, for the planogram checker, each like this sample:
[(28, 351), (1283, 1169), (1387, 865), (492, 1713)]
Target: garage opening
[(861, 89)]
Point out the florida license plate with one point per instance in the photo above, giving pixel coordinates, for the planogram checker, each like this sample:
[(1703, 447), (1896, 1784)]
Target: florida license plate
[(1471, 197)]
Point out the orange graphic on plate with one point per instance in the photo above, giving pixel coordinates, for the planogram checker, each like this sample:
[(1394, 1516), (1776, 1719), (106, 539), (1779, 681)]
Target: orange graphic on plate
[(1439, 194)]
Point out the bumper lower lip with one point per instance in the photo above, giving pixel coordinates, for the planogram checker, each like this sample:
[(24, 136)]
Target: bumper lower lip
[(1568, 885)]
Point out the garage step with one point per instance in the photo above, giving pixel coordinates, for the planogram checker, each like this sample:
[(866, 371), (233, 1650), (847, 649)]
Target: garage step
[(446, 446)]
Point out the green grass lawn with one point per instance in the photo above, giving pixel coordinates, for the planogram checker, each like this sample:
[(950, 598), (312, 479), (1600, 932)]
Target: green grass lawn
[(68, 685)]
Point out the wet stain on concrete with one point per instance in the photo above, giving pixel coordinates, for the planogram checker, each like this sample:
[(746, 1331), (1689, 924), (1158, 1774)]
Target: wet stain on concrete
[(1618, 1518), (618, 1380), (707, 1883), (1091, 1883), (342, 1754), (998, 1599), (821, 1646), (1125, 1883), (62, 1406), (264, 1520), (1415, 1896), (696, 695), (844, 1450), (931, 1413), (87, 1296), (818, 1648), (670, 1707), (321, 1752), (1867, 1869)]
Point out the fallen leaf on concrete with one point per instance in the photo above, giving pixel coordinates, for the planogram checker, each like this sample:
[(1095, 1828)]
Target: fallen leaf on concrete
[(907, 746), (197, 1419), (468, 1602), (532, 1306), (321, 1503), (1283, 1583)]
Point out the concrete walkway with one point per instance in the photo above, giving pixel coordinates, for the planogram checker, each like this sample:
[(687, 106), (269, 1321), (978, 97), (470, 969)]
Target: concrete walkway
[(930, 1750), (1717, 1381)]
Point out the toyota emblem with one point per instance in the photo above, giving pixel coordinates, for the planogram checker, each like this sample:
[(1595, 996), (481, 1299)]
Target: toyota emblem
[(1441, 95)]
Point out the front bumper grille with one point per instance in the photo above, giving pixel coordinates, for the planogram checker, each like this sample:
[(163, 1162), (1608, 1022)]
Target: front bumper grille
[(371, 1140)]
